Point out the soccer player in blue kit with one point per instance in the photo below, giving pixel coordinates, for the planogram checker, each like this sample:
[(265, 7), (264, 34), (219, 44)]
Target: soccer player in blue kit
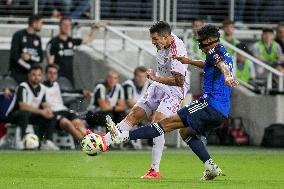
[(201, 116)]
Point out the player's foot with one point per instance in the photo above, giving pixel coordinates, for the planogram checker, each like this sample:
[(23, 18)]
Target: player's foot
[(114, 131), (151, 174), (211, 171), (104, 147)]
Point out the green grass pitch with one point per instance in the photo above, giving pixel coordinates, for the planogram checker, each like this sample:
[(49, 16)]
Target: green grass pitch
[(245, 168)]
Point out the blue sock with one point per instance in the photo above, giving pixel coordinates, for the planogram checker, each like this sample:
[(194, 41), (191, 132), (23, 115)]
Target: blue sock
[(147, 132), (198, 148)]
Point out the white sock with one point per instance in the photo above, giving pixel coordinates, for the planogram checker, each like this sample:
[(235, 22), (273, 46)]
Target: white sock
[(208, 164), (124, 125), (108, 139), (157, 152)]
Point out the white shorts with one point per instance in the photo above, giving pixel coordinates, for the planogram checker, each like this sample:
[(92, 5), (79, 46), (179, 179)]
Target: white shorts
[(156, 99)]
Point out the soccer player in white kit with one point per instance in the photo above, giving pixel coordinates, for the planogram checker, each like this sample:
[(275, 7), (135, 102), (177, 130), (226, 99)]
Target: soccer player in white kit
[(164, 95)]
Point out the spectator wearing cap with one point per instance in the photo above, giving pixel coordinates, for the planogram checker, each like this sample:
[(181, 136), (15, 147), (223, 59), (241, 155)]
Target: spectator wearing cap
[(245, 70)]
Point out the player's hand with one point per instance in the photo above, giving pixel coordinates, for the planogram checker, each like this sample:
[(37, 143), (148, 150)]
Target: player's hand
[(87, 93), (232, 82), (7, 93), (182, 59), (47, 113), (151, 74), (25, 56)]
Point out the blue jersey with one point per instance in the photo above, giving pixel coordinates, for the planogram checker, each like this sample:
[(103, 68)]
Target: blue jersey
[(216, 92)]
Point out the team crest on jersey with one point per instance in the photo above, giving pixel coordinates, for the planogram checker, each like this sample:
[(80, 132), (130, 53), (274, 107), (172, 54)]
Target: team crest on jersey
[(36, 43), (70, 45)]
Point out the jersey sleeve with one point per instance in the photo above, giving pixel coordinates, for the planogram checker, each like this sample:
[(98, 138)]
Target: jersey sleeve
[(77, 41), (50, 48), (217, 55), (178, 48), (21, 94), (128, 92), (120, 94)]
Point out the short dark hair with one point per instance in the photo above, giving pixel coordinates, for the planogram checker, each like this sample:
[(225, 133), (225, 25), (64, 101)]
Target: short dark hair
[(228, 22), (63, 19), (140, 69), (208, 31), (197, 20), (55, 66), (34, 18), (161, 27), (35, 67), (267, 30)]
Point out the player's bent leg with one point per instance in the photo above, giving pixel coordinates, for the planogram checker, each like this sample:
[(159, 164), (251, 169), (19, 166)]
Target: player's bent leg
[(79, 125), (135, 116), (197, 146), (67, 125)]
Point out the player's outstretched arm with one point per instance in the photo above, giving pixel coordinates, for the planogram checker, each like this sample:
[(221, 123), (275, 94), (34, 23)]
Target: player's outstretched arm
[(186, 60), (175, 80), (229, 79)]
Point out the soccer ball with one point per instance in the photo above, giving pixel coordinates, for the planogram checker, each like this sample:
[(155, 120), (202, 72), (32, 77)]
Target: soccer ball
[(92, 144), (30, 141)]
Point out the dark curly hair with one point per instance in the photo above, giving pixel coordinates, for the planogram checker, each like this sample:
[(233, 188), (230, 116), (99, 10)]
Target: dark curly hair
[(208, 31), (161, 27)]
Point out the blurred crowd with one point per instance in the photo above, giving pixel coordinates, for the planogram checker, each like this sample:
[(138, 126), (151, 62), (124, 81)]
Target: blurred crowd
[(33, 92), (268, 49), (37, 97)]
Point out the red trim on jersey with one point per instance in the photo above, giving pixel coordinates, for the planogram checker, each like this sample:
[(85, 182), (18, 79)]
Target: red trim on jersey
[(173, 47)]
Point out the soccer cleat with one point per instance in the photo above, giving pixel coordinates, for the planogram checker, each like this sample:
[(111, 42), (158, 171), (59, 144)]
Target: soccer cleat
[(104, 147), (48, 145), (151, 174), (114, 131), (211, 172)]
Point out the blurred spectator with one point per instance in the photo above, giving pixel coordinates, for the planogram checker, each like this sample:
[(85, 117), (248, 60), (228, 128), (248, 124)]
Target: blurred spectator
[(193, 45), (108, 99), (60, 49), (26, 49), (135, 88), (267, 50), (280, 36), (245, 70), (66, 119), (29, 106), (229, 28)]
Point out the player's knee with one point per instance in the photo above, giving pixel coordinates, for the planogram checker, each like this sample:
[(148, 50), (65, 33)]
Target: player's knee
[(64, 123), (184, 133), (77, 121)]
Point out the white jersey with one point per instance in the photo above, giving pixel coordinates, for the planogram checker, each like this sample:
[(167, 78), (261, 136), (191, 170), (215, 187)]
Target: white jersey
[(54, 97), (24, 93), (167, 66), (112, 96), (131, 91)]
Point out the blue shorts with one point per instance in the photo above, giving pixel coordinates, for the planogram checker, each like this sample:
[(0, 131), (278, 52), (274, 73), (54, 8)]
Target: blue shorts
[(199, 116)]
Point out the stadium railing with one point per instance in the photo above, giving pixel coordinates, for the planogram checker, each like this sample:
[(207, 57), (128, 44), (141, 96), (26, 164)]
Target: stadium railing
[(176, 12), (270, 71)]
